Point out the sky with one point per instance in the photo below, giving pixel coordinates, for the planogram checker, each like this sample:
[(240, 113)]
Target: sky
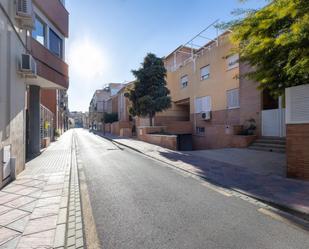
[(109, 38)]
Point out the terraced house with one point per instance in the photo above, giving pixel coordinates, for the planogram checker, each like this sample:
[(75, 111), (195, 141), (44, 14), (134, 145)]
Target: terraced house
[(33, 79), (214, 103)]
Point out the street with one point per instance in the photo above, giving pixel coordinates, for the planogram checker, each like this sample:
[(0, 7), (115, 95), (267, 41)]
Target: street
[(138, 202)]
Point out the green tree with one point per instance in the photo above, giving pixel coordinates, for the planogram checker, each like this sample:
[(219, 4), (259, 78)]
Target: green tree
[(275, 42), (149, 94), (110, 118)]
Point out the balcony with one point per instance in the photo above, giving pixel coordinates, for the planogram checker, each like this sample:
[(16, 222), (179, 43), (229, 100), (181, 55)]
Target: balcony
[(56, 13), (49, 67)]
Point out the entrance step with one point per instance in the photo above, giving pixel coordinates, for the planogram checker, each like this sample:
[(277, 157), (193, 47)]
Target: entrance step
[(272, 144)]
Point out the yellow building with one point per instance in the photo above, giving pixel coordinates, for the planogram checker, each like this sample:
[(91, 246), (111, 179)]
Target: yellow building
[(206, 92)]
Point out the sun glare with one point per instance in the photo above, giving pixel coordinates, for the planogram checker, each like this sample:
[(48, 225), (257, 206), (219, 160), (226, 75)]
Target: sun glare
[(86, 59)]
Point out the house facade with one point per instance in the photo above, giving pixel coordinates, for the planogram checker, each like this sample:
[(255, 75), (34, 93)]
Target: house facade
[(213, 102), (103, 100), (32, 48), (47, 47)]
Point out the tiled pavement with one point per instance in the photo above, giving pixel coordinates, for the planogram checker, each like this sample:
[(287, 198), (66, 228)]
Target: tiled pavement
[(288, 193), (35, 209)]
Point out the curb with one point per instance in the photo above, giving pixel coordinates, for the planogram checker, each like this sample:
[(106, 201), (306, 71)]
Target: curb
[(266, 200), (89, 227)]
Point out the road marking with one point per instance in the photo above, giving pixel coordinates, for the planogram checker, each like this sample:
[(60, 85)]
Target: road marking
[(292, 220), (218, 190)]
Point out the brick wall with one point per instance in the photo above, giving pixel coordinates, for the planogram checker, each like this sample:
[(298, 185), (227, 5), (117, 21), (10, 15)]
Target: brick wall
[(250, 99), (298, 151), (117, 126), (49, 100)]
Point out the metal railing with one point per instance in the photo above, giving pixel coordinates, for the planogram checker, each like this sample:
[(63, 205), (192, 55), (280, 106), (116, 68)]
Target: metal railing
[(46, 124)]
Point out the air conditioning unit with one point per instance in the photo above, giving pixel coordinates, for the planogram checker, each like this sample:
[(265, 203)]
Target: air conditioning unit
[(28, 65), (206, 115), (24, 13)]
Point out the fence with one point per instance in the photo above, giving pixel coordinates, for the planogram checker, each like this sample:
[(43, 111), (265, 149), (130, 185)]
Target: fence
[(46, 125)]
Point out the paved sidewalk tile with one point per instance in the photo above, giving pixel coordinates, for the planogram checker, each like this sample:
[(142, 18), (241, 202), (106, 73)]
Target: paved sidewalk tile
[(34, 208)]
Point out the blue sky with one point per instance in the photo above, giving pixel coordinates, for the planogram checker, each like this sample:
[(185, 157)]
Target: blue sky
[(109, 38)]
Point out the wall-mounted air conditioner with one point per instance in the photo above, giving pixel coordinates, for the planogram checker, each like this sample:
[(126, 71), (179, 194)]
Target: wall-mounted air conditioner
[(27, 65), (206, 115), (25, 14)]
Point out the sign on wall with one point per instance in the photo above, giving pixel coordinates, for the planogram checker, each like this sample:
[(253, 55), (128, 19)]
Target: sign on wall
[(297, 104)]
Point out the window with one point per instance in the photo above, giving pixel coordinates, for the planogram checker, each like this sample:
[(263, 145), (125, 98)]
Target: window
[(55, 43), (203, 104), (205, 72), (200, 130), (184, 81), (233, 98), (232, 61), (39, 31)]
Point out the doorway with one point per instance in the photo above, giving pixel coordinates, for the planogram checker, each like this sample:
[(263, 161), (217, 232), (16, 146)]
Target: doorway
[(273, 116)]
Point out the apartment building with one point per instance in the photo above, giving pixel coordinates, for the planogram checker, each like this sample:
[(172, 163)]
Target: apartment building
[(78, 119), (209, 93), (97, 108), (103, 101), (32, 50), (47, 46)]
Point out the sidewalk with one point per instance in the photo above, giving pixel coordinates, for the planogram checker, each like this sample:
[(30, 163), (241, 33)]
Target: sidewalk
[(41, 208), (287, 193)]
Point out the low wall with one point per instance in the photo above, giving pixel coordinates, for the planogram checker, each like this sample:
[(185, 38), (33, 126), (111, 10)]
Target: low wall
[(143, 130), (166, 141), (297, 151), (108, 128), (221, 136), (117, 126), (125, 132)]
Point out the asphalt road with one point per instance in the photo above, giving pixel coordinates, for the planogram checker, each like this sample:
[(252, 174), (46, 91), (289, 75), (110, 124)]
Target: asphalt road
[(140, 203)]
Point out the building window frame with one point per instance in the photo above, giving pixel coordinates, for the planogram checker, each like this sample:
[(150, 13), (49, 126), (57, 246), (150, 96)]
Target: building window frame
[(200, 131), (232, 61), (205, 72), (45, 30), (232, 99), (203, 104), (184, 81), (54, 34)]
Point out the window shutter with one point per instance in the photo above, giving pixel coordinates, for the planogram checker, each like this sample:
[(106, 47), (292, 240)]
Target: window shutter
[(205, 72), (233, 98), (297, 104), (233, 61), (203, 104)]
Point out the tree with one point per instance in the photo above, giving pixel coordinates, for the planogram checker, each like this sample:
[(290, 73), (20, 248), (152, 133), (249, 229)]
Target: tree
[(110, 117), (275, 42), (149, 94)]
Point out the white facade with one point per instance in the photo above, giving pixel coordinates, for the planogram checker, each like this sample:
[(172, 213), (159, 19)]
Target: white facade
[(12, 89), (297, 104)]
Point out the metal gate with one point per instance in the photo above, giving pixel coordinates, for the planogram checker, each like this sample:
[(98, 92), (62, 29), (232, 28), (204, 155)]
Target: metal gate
[(273, 123), (46, 124)]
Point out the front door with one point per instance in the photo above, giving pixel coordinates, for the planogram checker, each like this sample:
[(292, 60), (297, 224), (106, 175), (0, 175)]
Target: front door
[(273, 121)]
